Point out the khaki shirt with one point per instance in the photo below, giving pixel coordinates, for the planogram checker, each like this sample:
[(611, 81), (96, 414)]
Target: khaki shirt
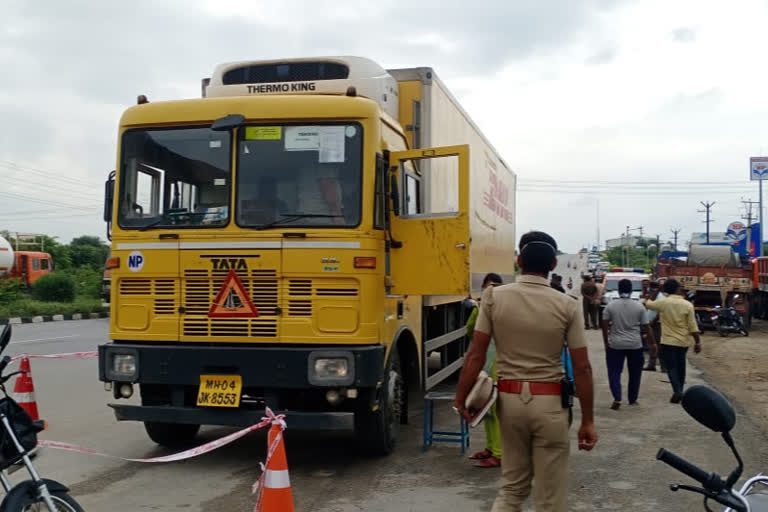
[(530, 322), (678, 320)]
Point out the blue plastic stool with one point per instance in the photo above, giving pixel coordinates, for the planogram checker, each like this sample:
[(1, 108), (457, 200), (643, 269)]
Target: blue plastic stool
[(441, 436)]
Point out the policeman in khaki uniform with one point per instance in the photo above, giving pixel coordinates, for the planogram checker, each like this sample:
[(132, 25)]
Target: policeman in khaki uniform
[(531, 322)]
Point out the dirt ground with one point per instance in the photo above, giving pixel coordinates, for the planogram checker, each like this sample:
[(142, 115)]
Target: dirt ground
[(738, 366)]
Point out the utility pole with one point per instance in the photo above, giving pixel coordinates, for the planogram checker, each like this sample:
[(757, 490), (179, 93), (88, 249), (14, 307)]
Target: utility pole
[(749, 217), (675, 233), (707, 210)]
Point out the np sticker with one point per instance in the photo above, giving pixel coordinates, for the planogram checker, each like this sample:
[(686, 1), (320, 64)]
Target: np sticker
[(135, 261)]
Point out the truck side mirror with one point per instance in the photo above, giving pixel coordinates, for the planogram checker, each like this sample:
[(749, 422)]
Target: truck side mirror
[(109, 196)]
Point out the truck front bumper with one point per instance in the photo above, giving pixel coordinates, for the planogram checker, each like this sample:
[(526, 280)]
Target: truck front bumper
[(278, 376), (239, 417)]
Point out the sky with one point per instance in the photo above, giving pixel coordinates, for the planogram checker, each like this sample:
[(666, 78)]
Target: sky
[(628, 112)]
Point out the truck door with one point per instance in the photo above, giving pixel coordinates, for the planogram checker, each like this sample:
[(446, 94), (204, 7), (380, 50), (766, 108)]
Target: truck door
[(24, 268), (429, 251)]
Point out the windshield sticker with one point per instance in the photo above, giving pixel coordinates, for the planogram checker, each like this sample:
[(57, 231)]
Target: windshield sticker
[(219, 182), (135, 261), (350, 131), (263, 132), (214, 144), (331, 144), (302, 138)]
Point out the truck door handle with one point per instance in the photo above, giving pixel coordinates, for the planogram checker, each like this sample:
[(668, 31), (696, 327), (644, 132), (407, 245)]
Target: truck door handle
[(461, 245)]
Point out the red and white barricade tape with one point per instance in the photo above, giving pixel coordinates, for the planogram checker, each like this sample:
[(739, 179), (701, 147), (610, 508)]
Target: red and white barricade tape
[(66, 355)]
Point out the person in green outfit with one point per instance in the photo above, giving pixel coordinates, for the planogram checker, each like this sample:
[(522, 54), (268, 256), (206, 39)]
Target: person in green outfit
[(490, 457)]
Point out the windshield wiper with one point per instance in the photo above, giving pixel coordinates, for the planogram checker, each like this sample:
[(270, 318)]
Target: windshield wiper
[(289, 217)]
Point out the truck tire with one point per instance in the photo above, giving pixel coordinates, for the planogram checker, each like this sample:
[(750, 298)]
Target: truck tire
[(377, 431), (171, 435)]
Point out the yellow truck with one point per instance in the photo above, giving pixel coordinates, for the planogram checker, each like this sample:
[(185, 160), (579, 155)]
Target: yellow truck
[(302, 238)]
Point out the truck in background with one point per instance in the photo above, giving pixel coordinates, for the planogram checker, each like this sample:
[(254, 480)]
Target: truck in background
[(716, 274), (27, 266), (302, 238)]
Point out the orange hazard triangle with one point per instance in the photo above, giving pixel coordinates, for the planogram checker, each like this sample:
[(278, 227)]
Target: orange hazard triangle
[(233, 300)]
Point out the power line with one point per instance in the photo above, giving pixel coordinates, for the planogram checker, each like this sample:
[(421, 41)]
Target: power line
[(59, 175), (615, 182), (630, 192), (43, 201)]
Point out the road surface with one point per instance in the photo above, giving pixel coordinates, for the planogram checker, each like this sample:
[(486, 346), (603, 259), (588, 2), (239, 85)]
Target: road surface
[(326, 473)]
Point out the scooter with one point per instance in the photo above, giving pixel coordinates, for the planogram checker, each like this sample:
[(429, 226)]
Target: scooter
[(18, 446), (728, 320), (712, 409)]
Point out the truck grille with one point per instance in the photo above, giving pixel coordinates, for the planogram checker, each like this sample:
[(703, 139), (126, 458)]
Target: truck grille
[(200, 290), (162, 290), (301, 293)]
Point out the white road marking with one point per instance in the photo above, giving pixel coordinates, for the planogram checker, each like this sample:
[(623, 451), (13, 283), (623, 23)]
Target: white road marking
[(16, 342)]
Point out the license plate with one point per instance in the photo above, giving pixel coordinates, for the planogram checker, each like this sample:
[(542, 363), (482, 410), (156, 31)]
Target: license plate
[(220, 390)]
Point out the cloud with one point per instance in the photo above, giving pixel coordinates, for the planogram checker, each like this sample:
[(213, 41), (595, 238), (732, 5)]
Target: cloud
[(684, 35), (604, 56)]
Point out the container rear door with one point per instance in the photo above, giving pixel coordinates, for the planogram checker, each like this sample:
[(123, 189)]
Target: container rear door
[(430, 250)]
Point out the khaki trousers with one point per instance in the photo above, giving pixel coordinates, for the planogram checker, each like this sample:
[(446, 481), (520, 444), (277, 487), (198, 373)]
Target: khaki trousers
[(534, 435)]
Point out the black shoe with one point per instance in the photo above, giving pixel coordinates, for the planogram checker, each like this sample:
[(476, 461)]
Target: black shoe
[(634, 403), (615, 406), (676, 398)]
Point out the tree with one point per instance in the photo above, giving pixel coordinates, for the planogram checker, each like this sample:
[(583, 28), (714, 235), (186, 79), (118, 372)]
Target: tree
[(92, 241)]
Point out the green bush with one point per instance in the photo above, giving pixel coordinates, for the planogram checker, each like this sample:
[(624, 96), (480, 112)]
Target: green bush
[(11, 290), (30, 307), (87, 282), (54, 288)]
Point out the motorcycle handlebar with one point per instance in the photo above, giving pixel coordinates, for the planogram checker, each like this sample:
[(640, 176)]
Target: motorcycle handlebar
[(685, 467), (4, 363)]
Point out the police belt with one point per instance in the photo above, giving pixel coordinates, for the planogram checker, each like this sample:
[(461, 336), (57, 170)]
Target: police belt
[(536, 388)]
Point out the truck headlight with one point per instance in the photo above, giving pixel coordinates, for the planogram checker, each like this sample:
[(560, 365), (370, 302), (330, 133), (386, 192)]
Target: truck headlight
[(336, 367), (331, 368), (123, 367)]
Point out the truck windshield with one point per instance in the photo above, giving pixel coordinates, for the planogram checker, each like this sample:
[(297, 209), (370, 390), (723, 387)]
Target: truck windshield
[(303, 176), (176, 177)]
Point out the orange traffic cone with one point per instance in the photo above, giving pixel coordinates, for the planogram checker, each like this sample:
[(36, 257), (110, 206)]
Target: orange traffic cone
[(276, 493), (24, 390)]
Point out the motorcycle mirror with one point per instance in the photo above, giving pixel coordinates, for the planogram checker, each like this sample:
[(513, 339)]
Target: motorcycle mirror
[(5, 337), (736, 296), (710, 408)]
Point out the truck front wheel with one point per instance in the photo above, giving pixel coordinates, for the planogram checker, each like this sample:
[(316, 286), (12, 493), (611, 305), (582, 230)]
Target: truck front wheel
[(171, 435), (378, 430)]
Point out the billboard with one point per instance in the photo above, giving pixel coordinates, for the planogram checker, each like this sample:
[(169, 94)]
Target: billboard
[(758, 168)]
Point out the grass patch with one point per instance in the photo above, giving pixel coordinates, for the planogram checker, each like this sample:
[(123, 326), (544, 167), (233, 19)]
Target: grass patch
[(30, 307)]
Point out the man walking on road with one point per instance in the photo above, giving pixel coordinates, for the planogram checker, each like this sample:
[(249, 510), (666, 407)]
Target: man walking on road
[(624, 322), (531, 323), (589, 293), (655, 326), (678, 325)]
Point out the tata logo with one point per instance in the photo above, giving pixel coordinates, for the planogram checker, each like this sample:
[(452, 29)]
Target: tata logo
[(229, 264)]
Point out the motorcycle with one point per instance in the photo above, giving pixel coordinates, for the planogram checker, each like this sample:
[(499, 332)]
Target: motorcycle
[(727, 320), (18, 446), (714, 411)]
